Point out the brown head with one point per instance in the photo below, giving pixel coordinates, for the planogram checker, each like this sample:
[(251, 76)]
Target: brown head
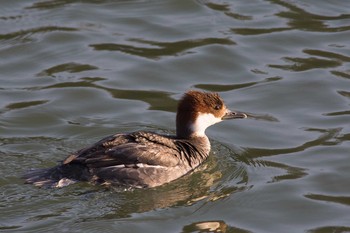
[(198, 110)]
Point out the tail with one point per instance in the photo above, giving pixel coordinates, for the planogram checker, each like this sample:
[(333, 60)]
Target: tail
[(41, 177), (57, 177)]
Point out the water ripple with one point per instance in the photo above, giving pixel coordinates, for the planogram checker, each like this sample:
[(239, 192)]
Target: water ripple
[(28, 32), (219, 177), (326, 138), (70, 67), (79, 69), (327, 54), (340, 113), (298, 18), (25, 104), (225, 8), (158, 100), (161, 49), (344, 200), (327, 60), (212, 226), (299, 64), (250, 155), (340, 229), (342, 74), (50, 4), (230, 87)]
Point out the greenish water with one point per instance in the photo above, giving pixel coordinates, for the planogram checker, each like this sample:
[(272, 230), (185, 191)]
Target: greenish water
[(73, 72)]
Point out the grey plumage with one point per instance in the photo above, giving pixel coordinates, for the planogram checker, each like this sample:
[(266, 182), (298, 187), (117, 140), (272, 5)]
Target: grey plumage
[(140, 159)]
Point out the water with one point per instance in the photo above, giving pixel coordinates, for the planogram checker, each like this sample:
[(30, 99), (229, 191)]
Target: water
[(73, 72)]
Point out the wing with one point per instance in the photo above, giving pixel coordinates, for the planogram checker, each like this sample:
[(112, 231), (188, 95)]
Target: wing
[(129, 150)]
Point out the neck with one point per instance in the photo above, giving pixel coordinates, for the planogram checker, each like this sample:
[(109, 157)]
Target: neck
[(201, 123), (197, 128), (186, 132), (192, 131), (183, 130)]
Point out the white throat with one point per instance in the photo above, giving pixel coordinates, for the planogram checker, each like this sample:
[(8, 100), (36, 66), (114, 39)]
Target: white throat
[(203, 121)]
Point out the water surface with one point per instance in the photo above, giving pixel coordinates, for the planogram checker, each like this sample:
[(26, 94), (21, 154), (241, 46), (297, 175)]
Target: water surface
[(73, 72)]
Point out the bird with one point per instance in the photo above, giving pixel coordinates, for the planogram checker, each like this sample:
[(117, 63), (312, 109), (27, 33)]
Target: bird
[(143, 159)]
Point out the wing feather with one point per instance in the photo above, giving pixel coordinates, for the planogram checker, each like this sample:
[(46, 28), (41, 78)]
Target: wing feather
[(127, 149)]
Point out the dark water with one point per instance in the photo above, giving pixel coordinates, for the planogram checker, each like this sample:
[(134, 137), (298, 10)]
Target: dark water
[(74, 71)]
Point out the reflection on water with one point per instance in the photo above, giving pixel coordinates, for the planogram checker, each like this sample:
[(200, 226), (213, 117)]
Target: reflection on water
[(67, 67), (326, 138), (231, 87), (345, 200), (24, 36), (225, 8), (212, 226), (302, 64), (27, 104), (161, 48), (214, 180), (217, 179), (157, 100), (340, 229), (251, 155), (76, 70), (223, 174), (58, 3), (298, 18), (342, 74)]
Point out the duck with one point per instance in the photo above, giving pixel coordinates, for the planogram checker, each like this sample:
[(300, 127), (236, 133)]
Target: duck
[(143, 159)]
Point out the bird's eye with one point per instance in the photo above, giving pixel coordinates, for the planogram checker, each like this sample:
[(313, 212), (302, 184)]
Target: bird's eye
[(217, 107)]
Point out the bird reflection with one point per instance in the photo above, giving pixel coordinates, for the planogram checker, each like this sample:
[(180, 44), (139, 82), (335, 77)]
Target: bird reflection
[(211, 226), (214, 180), (202, 185)]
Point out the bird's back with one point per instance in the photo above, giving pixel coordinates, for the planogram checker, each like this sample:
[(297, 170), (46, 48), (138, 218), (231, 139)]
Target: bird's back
[(139, 159)]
